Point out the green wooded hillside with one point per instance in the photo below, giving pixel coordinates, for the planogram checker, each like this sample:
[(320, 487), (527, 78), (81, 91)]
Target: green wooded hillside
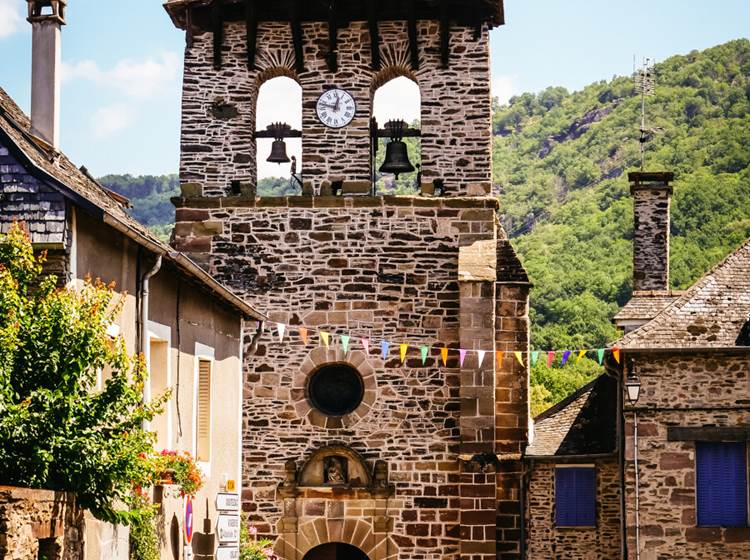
[(560, 163)]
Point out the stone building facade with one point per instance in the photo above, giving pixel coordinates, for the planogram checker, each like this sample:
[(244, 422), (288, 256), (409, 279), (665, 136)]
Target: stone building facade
[(427, 463)]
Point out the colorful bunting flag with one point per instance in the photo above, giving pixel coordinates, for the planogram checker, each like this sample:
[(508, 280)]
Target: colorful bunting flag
[(345, 343), (616, 354), (565, 357), (404, 349), (480, 356), (499, 356), (534, 358), (600, 355), (424, 350), (384, 347), (366, 345), (281, 329), (550, 358), (303, 334), (444, 355), (519, 357), (581, 354), (461, 357), (326, 338)]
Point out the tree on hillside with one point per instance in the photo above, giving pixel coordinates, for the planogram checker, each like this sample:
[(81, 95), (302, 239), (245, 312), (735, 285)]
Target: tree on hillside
[(58, 429)]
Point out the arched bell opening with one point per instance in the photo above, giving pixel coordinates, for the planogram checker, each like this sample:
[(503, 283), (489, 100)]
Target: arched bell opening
[(278, 144), (396, 113), (336, 551)]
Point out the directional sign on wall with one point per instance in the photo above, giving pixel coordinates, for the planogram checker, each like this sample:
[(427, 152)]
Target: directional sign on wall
[(228, 529), (227, 502), (227, 553)]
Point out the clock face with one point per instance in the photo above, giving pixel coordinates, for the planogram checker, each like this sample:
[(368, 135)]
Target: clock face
[(336, 108)]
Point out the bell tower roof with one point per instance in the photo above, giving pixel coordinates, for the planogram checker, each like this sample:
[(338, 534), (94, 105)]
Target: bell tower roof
[(462, 12)]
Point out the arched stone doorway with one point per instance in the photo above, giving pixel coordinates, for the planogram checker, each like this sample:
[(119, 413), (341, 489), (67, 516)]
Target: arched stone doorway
[(335, 551)]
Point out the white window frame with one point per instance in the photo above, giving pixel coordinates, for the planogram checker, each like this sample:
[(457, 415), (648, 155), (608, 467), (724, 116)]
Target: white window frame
[(163, 333), (206, 353)]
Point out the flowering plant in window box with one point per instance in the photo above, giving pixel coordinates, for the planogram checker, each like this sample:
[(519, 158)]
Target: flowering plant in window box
[(179, 468)]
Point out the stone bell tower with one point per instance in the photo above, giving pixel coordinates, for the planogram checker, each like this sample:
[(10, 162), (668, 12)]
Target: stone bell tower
[(351, 451)]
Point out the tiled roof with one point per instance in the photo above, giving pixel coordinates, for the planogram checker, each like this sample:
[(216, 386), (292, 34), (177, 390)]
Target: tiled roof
[(84, 191), (582, 424), (711, 314), (646, 305)]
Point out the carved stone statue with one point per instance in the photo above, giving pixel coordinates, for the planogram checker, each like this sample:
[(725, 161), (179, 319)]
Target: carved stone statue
[(335, 470)]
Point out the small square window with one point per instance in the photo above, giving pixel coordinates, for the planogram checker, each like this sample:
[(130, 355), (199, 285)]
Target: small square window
[(721, 484), (575, 497)]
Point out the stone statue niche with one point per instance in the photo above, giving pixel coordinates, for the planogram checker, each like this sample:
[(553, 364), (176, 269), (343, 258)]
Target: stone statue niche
[(335, 470)]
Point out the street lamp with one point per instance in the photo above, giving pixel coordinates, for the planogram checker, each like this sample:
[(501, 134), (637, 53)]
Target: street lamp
[(633, 387)]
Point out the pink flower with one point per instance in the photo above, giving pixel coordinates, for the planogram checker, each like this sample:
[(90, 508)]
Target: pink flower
[(253, 530)]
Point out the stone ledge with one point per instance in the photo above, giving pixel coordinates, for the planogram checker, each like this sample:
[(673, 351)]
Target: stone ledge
[(34, 494)]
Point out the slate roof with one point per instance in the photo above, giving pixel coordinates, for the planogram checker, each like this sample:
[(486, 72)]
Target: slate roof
[(59, 172), (509, 267), (713, 313), (644, 306), (583, 424)]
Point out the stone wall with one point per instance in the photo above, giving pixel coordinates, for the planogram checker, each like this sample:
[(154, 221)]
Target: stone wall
[(689, 391), (219, 106), (33, 519), (378, 268), (547, 542), (651, 206)]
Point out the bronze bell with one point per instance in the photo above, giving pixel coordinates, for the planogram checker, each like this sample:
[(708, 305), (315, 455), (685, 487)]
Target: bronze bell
[(396, 154), (396, 159), (278, 152)]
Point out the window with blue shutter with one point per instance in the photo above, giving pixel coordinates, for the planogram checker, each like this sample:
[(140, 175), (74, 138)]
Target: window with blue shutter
[(575, 497), (721, 484)]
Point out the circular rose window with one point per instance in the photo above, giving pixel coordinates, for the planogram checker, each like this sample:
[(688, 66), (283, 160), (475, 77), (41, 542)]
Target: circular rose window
[(336, 389)]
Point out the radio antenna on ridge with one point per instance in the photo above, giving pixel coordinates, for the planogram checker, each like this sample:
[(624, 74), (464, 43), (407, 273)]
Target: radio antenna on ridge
[(644, 79)]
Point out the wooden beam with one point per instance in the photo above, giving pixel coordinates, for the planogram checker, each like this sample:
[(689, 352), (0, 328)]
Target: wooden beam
[(296, 25), (445, 33), (217, 25), (333, 37), (251, 28), (372, 19), (413, 37)]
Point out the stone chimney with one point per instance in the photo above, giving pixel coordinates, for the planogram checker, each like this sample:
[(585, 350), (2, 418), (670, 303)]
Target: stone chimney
[(652, 194), (47, 18)]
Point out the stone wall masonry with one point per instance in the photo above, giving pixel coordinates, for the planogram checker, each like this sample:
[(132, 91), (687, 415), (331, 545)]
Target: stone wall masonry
[(651, 204), (545, 541), (380, 268), (219, 106), (32, 518), (691, 391)]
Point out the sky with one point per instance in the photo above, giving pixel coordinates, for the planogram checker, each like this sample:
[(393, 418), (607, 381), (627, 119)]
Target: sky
[(122, 66)]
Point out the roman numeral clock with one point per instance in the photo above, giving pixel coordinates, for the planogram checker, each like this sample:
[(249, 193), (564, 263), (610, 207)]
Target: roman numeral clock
[(336, 108)]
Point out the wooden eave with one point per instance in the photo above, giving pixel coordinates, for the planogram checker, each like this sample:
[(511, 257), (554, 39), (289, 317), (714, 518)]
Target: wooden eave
[(468, 13)]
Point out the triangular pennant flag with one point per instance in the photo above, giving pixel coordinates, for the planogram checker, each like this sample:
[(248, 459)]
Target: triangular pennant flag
[(581, 354), (565, 357), (550, 358), (366, 345), (616, 354), (384, 347), (345, 343), (403, 349), (534, 358), (480, 356), (499, 358), (326, 338), (424, 350), (444, 355), (281, 329), (600, 355), (303, 334), (519, 357), (461, 357)]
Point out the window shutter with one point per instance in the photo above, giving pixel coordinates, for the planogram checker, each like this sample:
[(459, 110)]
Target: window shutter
[(721, 484), (203, 412), (575, 497)]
